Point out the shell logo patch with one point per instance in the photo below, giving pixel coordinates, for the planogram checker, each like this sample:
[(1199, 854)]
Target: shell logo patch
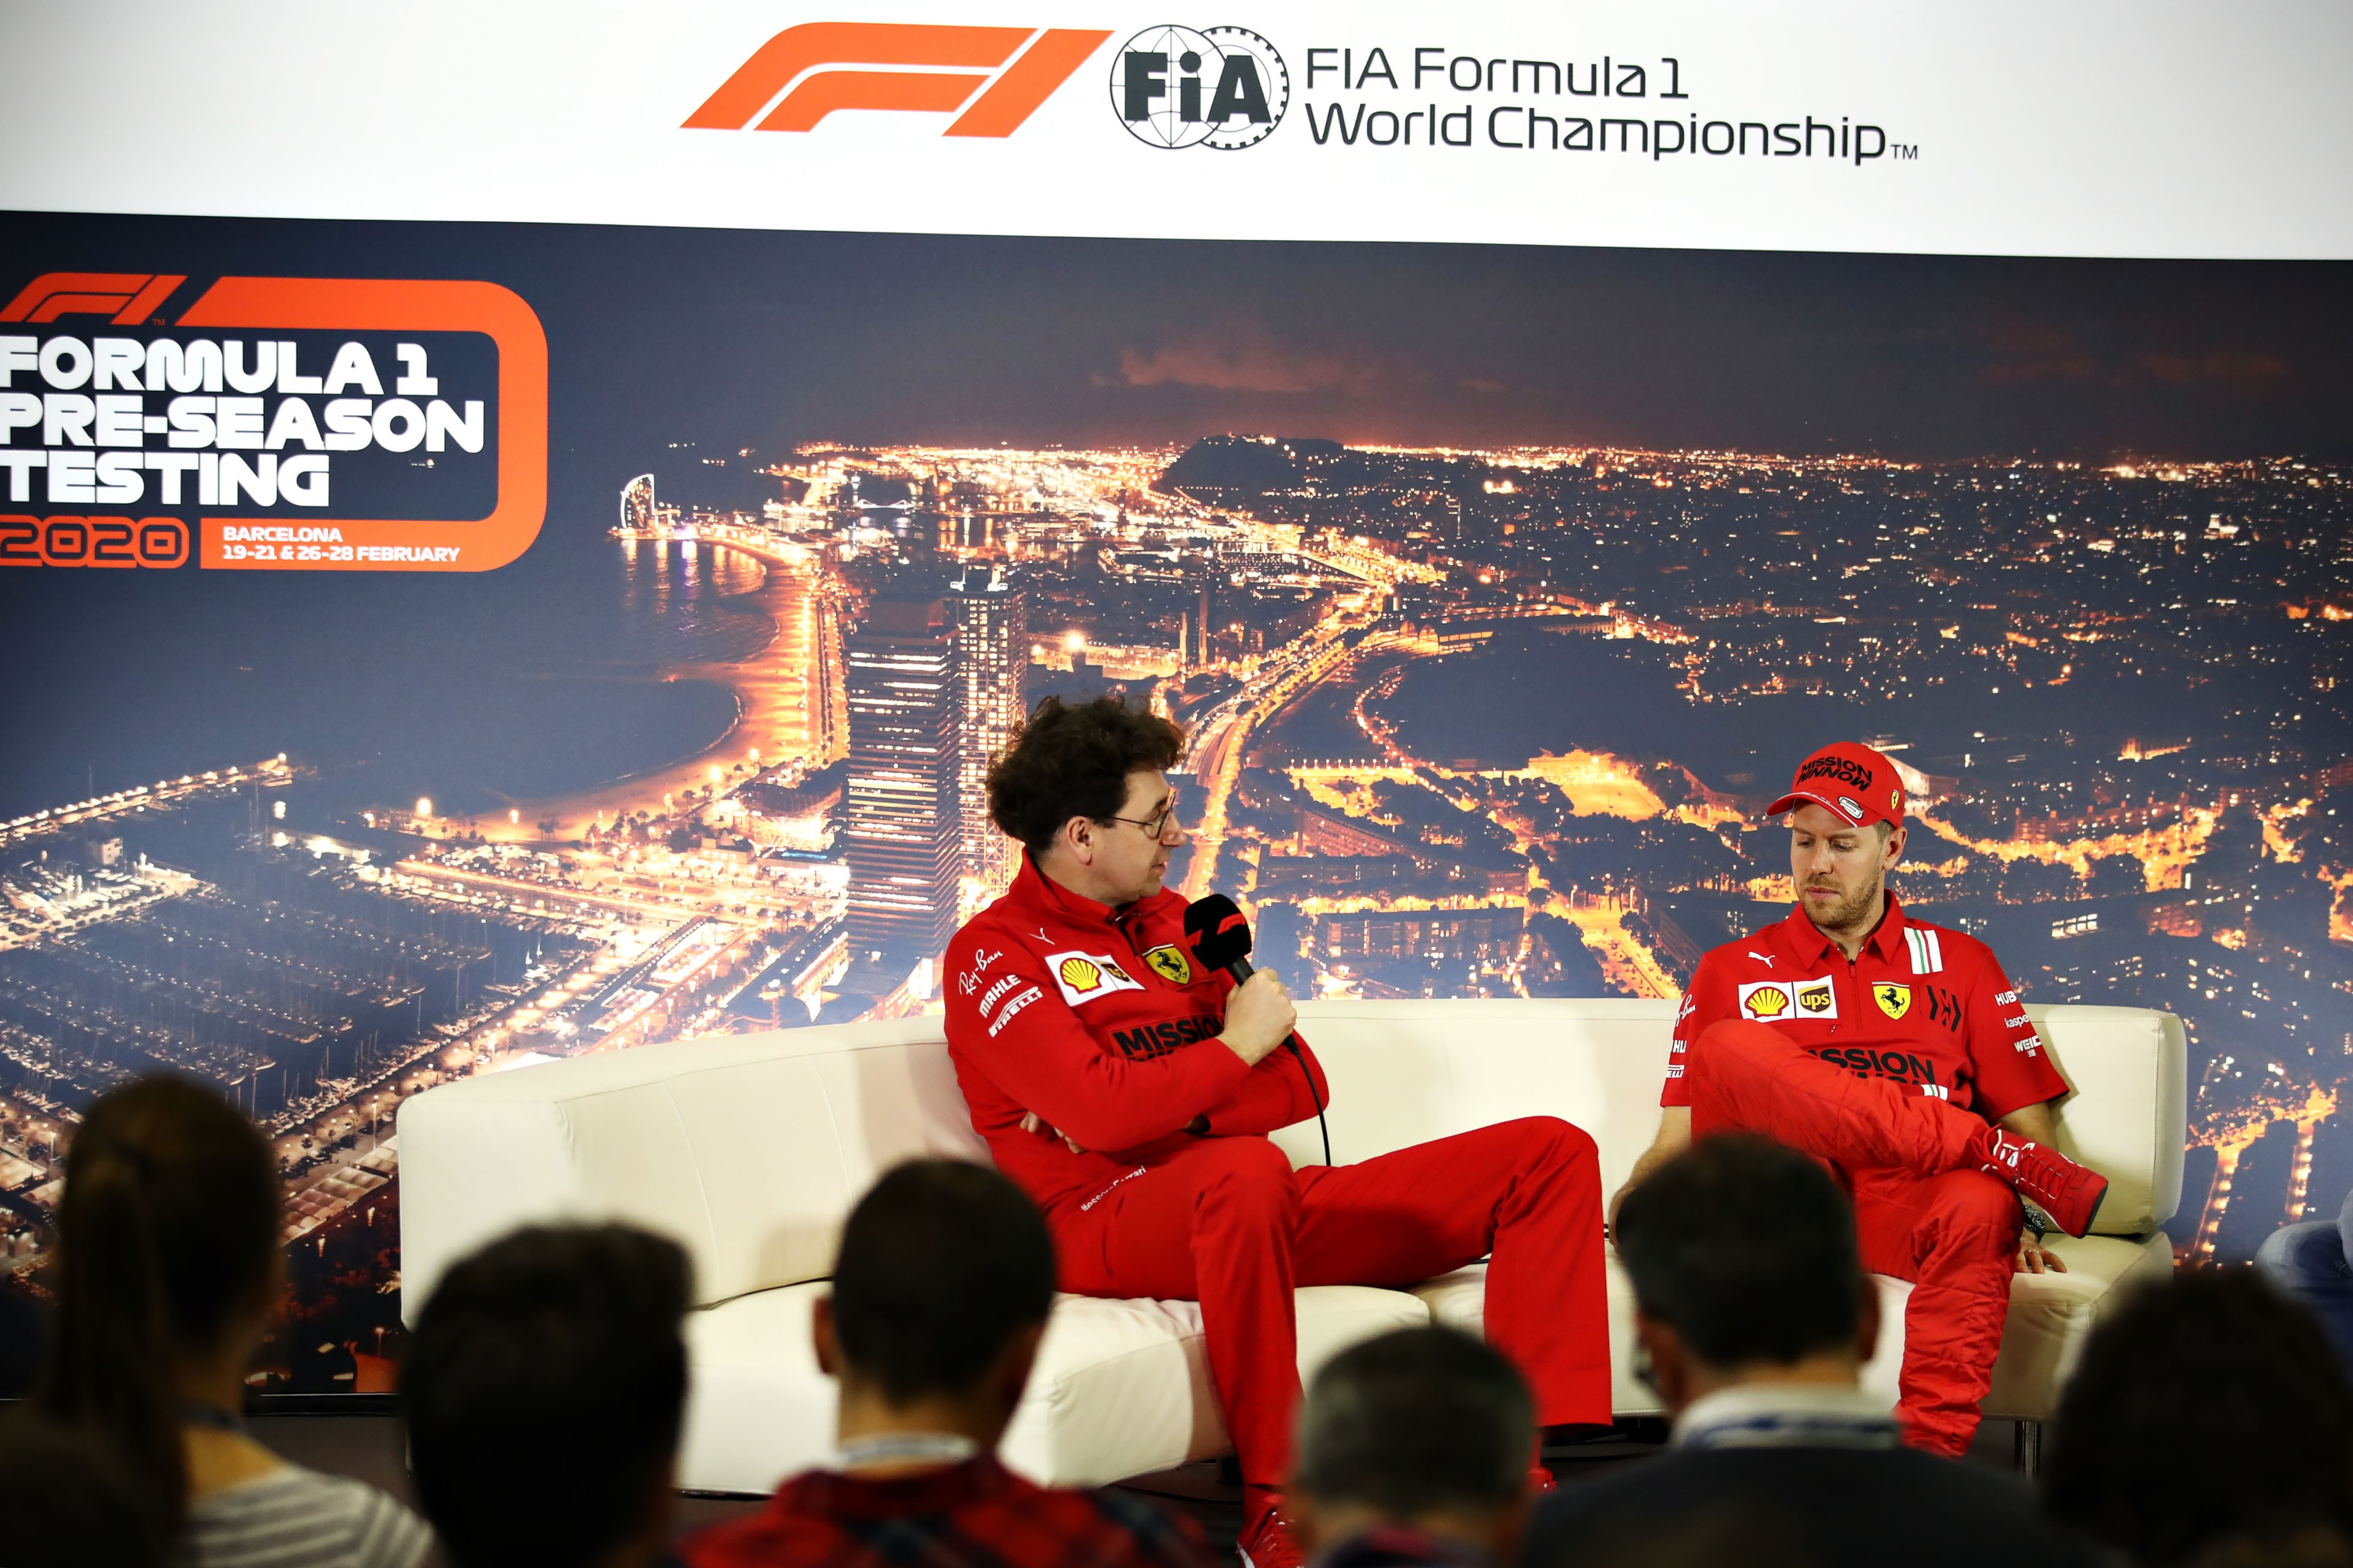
[(1169, 962), (1788, 1001), (1084, 976), (1893, 1000)]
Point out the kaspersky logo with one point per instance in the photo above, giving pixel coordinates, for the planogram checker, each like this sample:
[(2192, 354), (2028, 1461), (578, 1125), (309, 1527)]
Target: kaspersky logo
[(990, 79)]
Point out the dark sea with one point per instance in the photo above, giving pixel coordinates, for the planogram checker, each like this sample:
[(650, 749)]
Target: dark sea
[(1530, 692), (542, 678)]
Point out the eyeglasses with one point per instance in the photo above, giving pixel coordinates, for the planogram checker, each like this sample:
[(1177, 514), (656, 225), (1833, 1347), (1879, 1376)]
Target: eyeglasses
[(1155, 826)]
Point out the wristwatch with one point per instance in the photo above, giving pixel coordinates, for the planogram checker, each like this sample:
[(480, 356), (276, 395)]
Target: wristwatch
[(2037, 1222)]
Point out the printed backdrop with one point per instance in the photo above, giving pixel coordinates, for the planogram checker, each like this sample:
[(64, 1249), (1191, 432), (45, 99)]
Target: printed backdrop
[(442, 648)]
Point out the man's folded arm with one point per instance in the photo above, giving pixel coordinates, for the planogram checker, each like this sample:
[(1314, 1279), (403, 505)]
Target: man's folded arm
[(1043, 1057), (1274, 1095)]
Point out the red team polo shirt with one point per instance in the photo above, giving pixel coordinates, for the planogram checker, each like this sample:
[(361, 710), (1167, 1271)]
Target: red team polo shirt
[(1097, 1020), (1920, 1004)]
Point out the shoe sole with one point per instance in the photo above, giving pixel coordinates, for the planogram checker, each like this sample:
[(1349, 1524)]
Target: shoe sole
[(2092, 1219)]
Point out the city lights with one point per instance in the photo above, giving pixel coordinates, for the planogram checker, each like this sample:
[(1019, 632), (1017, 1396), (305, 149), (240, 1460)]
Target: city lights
[(1460, 723)]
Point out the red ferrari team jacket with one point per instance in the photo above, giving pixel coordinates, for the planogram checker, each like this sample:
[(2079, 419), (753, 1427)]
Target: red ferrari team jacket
[(1919, 1004), (1100, 1021)]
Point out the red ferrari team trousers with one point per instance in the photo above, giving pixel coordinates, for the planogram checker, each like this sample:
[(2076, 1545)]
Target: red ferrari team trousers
[(1923, 1211), (1227, 1223)]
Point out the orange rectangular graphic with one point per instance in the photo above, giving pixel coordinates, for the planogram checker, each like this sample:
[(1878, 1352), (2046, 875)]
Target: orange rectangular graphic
[(397, 305)]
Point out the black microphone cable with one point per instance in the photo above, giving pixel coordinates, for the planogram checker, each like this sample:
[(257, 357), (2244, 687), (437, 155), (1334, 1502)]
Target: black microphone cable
[(1220, 938)]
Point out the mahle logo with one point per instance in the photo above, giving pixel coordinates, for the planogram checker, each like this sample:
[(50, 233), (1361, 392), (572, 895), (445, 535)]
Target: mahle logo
[(1221, 87)]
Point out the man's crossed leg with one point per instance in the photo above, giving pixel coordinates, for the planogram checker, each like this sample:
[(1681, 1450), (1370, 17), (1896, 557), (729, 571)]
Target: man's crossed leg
[(1935, 1191), (1230, 1224)]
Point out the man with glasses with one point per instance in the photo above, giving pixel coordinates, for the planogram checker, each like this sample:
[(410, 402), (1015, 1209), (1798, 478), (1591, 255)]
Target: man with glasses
[(1130, 1092)]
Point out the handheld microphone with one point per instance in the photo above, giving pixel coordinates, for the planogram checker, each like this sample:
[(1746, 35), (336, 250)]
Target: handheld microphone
[(1220, 935)]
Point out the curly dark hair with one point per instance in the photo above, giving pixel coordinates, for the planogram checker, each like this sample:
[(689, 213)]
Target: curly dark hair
[(2207, 1411), (1072, 760)]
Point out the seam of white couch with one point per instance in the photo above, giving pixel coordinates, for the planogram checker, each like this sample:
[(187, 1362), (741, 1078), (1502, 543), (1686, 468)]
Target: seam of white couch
[(701, 1187)]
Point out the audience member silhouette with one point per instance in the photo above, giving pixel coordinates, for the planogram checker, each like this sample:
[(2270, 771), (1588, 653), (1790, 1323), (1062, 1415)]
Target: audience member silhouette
[(1756, 1317), (168, 1271), (2308, 1263), (940, 1297), (1413, 1449), (545, 1386), (2207, 1422)]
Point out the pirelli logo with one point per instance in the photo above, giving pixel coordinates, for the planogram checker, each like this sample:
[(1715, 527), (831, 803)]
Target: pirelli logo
[(990, 79)]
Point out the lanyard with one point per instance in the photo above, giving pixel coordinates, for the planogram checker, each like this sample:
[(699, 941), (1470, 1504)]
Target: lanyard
[(906, 1447)]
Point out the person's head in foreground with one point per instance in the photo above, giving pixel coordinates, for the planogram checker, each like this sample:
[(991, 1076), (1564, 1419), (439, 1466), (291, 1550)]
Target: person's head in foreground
[(1742, 1255), (2207, 1422), (168, 1270), (1845, 807), (1084, 787), (544, 1385), (940, 1297), (1423, 1432)]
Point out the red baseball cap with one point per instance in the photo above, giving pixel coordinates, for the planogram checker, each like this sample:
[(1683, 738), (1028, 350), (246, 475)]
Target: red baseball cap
[(1850, 781)]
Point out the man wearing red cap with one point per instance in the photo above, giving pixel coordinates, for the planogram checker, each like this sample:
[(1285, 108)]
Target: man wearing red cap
[(1898, 1052)]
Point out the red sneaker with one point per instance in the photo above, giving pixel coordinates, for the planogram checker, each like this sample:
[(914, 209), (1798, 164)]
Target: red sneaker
[(2070, 1194), (1266, 1538)]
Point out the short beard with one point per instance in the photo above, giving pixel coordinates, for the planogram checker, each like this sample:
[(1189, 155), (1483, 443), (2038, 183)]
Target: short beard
[(1850, 912)]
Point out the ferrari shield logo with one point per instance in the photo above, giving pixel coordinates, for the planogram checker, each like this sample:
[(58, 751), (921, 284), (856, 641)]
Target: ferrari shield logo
[(1171, 965), (1893, 1000)]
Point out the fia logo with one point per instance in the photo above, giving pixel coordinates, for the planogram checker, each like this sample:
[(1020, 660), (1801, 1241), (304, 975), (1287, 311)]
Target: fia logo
[(1221, 87)]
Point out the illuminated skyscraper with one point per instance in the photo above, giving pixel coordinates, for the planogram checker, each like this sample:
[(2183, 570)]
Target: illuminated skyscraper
[(992, 635), (638, 504), (905, 836)]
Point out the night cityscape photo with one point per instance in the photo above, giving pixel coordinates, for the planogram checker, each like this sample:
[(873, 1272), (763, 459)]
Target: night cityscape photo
[(1498, 591)]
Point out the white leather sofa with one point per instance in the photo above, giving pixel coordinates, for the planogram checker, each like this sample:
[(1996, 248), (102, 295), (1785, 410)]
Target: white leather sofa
[(749, 1151)]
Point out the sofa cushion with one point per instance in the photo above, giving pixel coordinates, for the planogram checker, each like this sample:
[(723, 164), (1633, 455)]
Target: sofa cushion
[(747, 1150), (1120, 1389)]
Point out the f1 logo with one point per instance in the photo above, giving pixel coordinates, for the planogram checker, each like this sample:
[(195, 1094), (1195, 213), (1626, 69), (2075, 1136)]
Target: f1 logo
[(132, 296), (997, 76)]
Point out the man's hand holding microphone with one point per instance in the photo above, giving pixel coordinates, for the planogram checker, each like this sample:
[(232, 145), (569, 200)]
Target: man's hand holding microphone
[(1261, 1018), (1258, 1017)]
